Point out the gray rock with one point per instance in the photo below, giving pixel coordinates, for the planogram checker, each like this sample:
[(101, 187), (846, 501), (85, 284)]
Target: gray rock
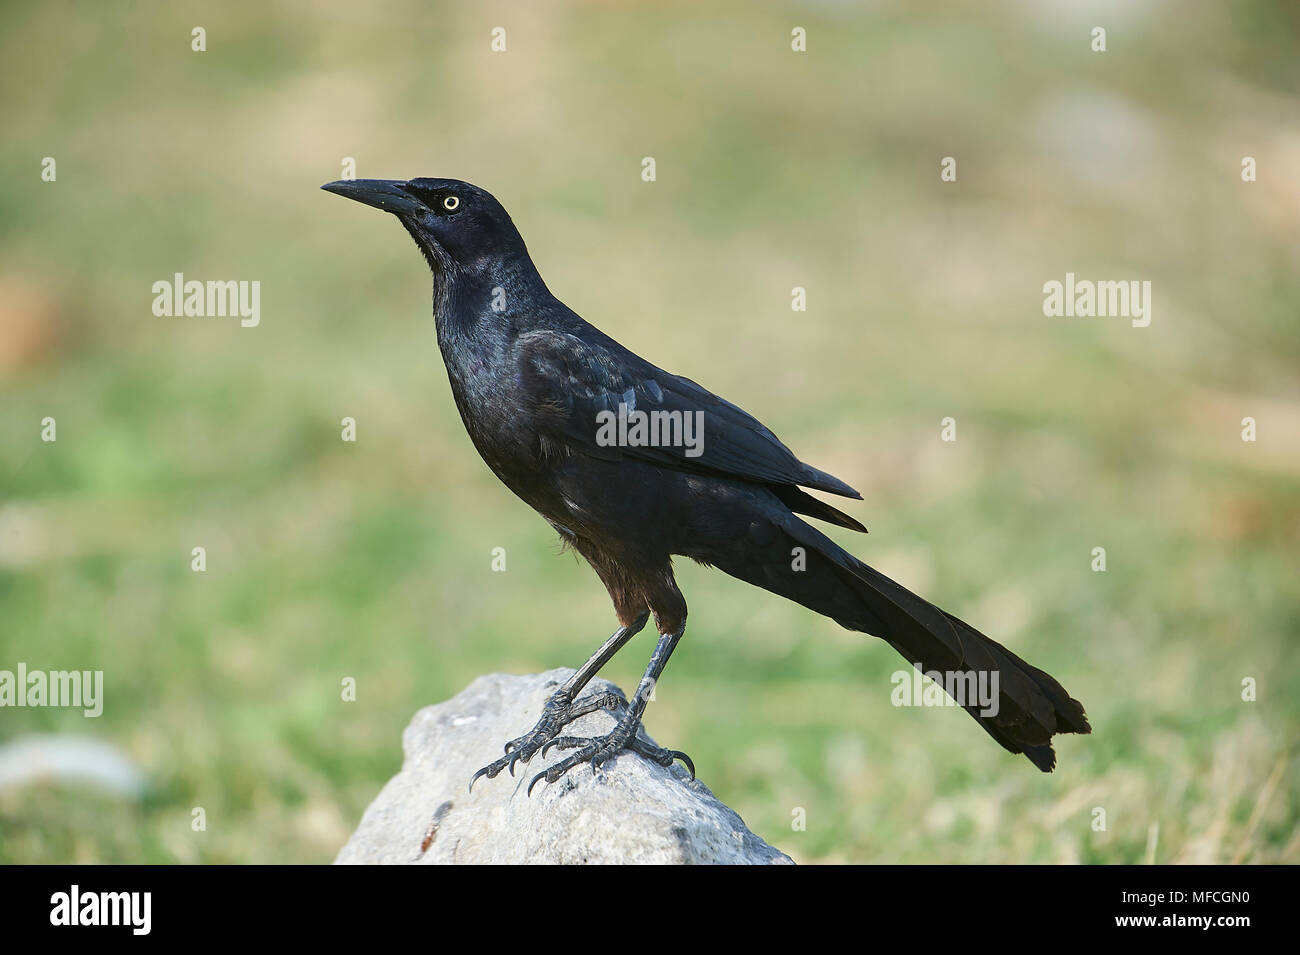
[(630, 811)]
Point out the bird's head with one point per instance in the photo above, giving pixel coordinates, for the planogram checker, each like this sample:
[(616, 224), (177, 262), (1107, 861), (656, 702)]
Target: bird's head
[(457, 225)]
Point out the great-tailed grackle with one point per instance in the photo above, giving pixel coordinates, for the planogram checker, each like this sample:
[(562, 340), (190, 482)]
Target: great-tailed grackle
[(631, 465)]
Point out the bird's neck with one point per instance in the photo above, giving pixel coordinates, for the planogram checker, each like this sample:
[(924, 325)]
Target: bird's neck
[(486, 302)]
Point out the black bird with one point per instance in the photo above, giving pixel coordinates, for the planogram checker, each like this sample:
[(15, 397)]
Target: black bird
[(552, 404)]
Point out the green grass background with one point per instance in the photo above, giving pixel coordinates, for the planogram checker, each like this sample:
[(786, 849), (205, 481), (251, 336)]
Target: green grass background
[(372, 560)]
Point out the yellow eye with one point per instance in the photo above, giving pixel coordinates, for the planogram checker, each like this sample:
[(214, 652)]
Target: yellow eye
[(451, 203)]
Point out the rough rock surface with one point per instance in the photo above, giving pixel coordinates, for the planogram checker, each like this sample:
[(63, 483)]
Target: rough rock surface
[(630, 811)]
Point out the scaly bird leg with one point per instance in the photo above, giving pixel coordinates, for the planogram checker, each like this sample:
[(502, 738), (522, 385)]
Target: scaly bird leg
[(624, 735), (561, 709)]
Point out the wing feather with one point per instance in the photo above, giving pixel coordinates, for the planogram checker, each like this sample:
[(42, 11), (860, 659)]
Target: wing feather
[(575, 384)]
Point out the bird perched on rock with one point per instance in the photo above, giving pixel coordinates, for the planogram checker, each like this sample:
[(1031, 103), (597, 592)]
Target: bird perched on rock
[(632, 465)]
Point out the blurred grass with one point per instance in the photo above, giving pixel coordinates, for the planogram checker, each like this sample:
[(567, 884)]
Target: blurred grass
[(329, 560)]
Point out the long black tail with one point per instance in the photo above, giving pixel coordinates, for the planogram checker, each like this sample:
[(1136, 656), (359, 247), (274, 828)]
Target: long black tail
[(1032, 706)]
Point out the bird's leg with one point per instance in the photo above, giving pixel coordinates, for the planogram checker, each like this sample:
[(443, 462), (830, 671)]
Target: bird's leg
[(561, 709), (624, 735)]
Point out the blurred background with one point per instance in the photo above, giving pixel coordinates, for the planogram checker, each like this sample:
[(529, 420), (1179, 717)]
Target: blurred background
[(775, 169)]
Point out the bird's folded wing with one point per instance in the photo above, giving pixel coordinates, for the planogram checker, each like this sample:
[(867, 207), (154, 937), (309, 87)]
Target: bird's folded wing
[(579, 388)]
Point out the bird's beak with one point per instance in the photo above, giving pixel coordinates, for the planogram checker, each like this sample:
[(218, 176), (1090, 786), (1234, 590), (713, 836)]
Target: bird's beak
[(387, 194)]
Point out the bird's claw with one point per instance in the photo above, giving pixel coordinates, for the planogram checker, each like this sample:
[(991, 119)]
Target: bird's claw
[(519, 750), (557, 714), (562, 742), (595, 751), (600, 750), (664, 757), (544, 737)]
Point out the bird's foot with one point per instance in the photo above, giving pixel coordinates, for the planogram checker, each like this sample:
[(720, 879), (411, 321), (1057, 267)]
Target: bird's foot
[(601, 749), (558, 713)]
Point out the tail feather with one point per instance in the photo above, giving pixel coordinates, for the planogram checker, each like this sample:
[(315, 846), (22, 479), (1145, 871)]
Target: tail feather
[(803, 503), (1032, 705)]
